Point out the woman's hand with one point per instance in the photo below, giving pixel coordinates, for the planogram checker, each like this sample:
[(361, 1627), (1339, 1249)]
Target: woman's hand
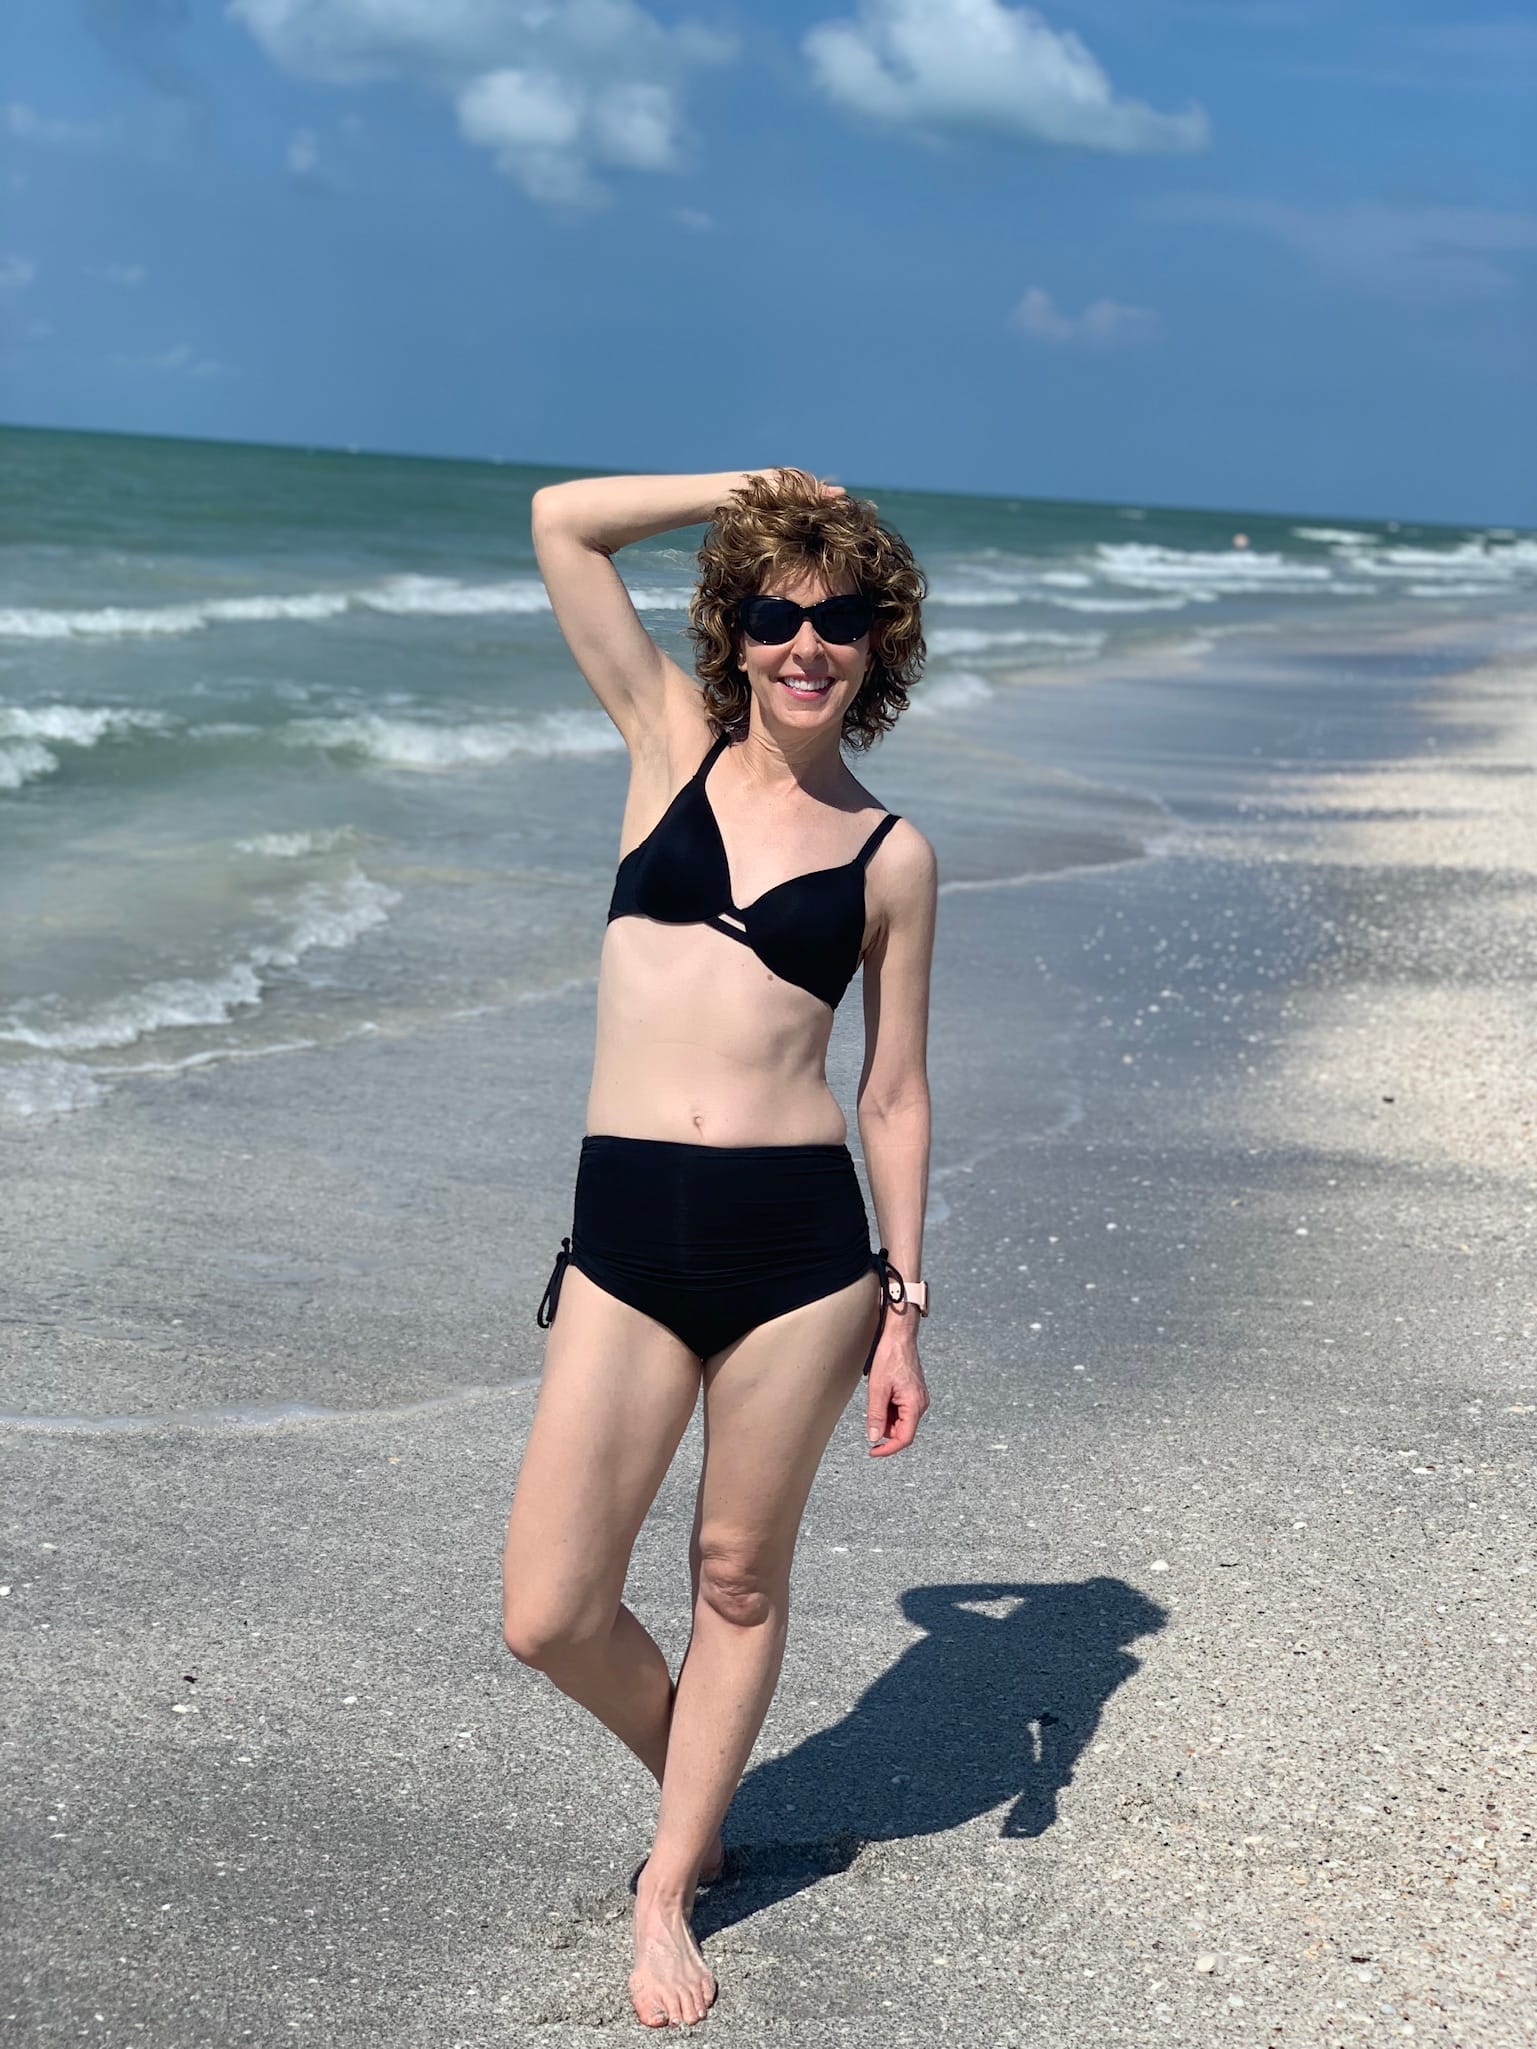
[(897, 1396)]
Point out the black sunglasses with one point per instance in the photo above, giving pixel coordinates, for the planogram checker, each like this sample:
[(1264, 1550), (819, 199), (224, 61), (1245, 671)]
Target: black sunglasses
[(776, 621)]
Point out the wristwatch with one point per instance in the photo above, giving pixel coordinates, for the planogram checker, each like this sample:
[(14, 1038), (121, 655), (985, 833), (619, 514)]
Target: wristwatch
[(917, 1292)]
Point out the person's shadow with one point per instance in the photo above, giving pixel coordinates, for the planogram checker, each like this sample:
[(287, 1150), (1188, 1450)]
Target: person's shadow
[(986, 1707)]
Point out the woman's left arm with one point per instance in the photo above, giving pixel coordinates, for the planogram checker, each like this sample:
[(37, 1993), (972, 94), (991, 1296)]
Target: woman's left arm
[(894, 1120)]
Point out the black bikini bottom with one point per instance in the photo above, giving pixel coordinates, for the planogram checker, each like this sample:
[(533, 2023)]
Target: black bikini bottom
[(711, 1241)]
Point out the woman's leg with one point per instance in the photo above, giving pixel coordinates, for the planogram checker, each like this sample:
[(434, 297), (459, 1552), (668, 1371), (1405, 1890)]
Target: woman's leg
[(771, 1402), (615, 1398)]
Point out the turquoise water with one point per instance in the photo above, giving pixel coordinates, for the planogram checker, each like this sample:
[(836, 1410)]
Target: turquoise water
[(290, 747)]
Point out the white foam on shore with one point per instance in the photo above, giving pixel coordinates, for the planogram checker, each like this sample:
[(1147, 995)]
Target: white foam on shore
[(73, 725), (30, 733), (328, 916), (294, 846), (47, 1088), (444, 597), (1489, 562), (975, 640), (127, 622), (434, 596), (1142, 565), (25, 761), (950, 590), (1172, 603), (957, 692), (1446, 590), (417, 744), (404, 596), (243, 1416)]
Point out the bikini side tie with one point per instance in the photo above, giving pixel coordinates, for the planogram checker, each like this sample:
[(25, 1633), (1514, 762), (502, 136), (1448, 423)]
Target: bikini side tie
[(893, 1295), (544, 1315)]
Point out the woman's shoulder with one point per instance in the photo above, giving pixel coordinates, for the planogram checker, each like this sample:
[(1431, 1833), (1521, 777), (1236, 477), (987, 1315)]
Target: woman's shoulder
[(909, 852), (904, 861)]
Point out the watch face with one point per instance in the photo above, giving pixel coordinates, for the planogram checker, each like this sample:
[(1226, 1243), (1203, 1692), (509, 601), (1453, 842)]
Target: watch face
[(918, 1295)]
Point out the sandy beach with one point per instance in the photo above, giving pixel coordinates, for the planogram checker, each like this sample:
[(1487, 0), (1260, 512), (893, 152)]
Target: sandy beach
[(1177, 1688)]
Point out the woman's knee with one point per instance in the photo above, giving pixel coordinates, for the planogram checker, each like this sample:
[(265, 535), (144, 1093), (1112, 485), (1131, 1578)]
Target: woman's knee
[(546, 1633), (740, 1583)]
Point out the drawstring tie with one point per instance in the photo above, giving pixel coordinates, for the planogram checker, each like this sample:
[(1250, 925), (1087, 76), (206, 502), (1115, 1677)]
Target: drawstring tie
[(544, 1315), (893, 1295)]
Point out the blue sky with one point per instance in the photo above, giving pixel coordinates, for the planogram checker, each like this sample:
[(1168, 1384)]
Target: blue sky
[(1252, 253)]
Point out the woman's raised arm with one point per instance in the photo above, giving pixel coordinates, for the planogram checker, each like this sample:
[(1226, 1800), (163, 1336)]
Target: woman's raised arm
[(578, 527)]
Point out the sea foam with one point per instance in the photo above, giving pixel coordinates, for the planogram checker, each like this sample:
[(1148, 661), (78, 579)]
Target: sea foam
[(1143, 565), (324, 915), (973, 640), (403, 596), (293, 846), (30, 733), (416, 744), (47, 1088)]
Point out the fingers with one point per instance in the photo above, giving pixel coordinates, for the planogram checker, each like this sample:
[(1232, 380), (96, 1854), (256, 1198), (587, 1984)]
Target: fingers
[(893, 1412)]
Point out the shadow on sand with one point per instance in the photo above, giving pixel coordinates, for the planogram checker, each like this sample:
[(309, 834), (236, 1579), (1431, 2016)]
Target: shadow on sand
[(992, 1704)]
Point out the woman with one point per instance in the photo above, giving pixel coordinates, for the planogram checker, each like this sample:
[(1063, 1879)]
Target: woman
[(720, 1239)]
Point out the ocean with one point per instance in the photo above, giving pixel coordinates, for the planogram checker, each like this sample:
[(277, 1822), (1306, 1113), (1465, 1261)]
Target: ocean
[(291, 750)]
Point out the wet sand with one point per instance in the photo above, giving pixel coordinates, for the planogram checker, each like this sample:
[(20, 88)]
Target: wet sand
[(1175, 1689)]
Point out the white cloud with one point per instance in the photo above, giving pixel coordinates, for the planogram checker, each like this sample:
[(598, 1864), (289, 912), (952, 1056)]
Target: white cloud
[(116, 273), (977, 65), (557, 90), (634, 125), (1103, 324), (181, 359), (16, 273), (692, 218), (24, 124), (1418, 254)]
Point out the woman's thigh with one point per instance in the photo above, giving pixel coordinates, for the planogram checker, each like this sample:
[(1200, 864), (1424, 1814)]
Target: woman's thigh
[(614, 1400), (771, 1402)]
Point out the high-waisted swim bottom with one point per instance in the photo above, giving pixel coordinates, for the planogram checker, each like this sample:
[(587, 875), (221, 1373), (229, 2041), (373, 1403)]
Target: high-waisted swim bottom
[(713, 1240)]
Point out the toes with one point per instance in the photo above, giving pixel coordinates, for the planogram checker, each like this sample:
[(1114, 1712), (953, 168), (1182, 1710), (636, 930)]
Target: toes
[(650, 2005), (697, 2001)]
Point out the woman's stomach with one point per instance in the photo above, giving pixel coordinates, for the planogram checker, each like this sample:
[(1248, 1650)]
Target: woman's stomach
[(699, 1042)]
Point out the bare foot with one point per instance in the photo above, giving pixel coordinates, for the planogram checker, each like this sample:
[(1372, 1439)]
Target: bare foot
[(671, 1984)]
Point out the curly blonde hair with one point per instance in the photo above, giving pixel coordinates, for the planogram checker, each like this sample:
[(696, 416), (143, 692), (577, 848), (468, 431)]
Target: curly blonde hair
[(778, 526)]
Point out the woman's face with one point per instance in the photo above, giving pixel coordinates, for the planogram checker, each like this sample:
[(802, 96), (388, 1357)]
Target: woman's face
[(805, 683)]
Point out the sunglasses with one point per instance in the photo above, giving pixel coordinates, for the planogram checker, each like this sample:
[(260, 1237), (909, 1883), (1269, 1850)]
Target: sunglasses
[(775, 621)]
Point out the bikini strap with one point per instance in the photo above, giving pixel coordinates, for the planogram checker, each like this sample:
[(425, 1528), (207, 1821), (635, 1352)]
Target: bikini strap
[(722, 742), (544, 1315), (880, 832)]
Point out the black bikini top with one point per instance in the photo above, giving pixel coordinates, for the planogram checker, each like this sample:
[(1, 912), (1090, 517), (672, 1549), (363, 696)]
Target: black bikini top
[(808, 930)]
